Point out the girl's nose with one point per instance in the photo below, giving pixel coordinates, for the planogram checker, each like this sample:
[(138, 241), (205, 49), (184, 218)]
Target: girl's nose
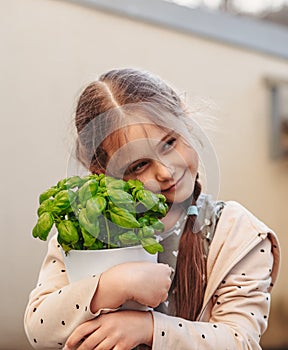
[(164, 172)]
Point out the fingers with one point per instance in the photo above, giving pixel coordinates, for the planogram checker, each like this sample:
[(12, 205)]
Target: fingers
[(81, 334), (162, 283), (111, 334), (168, 269), (96, 340), (106, 344)]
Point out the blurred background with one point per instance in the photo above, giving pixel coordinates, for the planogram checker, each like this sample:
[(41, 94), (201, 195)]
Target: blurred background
[(228, 59)]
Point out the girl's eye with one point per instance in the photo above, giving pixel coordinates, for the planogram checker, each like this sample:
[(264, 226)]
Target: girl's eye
[(169, 143), (137, 167)]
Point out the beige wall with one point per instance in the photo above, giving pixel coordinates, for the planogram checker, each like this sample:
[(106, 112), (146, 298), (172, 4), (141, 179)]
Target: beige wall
[(49, 51)]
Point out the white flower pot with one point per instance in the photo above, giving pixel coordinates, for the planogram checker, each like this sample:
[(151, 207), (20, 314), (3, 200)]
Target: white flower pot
[(84, 263)]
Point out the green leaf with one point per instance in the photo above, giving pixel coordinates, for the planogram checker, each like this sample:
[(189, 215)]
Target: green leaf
[(65, 246), (87, 191), (151, 245), (147, 231), (123, 217), (116, 195), (104, 180), (91, 227), (46, 206), (135, 185), (64, 199), (89, 240), (144, 220), (43, 226), (121, 199), (147, 198), (67, 231), (74, 181), (156, 224), (112, 183), (161, 198), (61, 184), (131, 207), (96, 245), (100, 177), (48, 194), (117, 184), (78, 245), (95, 206), (160, 208), (129, 238)]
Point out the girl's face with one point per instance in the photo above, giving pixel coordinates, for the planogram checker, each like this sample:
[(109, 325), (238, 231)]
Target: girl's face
[(159, 158)]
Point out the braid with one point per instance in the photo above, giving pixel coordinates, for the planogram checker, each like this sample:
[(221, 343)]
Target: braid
[(188, 283)]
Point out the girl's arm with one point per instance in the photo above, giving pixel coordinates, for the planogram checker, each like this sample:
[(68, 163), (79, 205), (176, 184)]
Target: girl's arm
[(56, 308), (144, 282)]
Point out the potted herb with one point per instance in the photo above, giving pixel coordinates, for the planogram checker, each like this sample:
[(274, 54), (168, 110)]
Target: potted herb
[(103, 215)]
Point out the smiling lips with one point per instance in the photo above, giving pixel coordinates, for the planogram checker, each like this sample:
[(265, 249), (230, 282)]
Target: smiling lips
[(172, 187)]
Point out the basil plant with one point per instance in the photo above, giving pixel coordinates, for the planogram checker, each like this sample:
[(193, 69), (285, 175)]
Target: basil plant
[(101, 212)]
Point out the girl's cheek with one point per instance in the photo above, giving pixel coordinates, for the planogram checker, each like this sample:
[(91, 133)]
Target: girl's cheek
[(151, 185)]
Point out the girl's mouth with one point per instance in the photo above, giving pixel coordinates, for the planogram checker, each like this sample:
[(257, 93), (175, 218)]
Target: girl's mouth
[(174, 185)]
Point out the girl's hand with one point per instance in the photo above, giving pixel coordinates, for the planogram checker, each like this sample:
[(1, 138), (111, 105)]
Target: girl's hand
[(121, 330), (147, 283)]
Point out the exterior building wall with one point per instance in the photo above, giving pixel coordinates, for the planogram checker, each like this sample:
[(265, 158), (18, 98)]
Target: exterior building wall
[(49, 51)]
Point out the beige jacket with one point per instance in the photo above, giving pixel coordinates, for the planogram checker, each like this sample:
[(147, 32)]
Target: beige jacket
[(242, 267)]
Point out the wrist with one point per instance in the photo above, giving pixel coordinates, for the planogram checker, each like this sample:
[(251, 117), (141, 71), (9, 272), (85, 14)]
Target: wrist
[(110, 291), (149, 326), (127, 281), (120, 282)]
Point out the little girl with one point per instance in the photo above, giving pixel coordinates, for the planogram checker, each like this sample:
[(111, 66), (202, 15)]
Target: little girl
[(211, 287)]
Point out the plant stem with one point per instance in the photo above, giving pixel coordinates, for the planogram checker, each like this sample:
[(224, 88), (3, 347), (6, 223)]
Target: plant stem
[(108, 232), (57, 219)]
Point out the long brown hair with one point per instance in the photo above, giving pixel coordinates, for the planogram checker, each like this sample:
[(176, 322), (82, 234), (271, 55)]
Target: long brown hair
[(190, 276), (111, 92)]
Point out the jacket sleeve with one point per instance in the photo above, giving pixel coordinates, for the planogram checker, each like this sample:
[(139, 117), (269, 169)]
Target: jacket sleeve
[(238, 311), (55, 307)]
